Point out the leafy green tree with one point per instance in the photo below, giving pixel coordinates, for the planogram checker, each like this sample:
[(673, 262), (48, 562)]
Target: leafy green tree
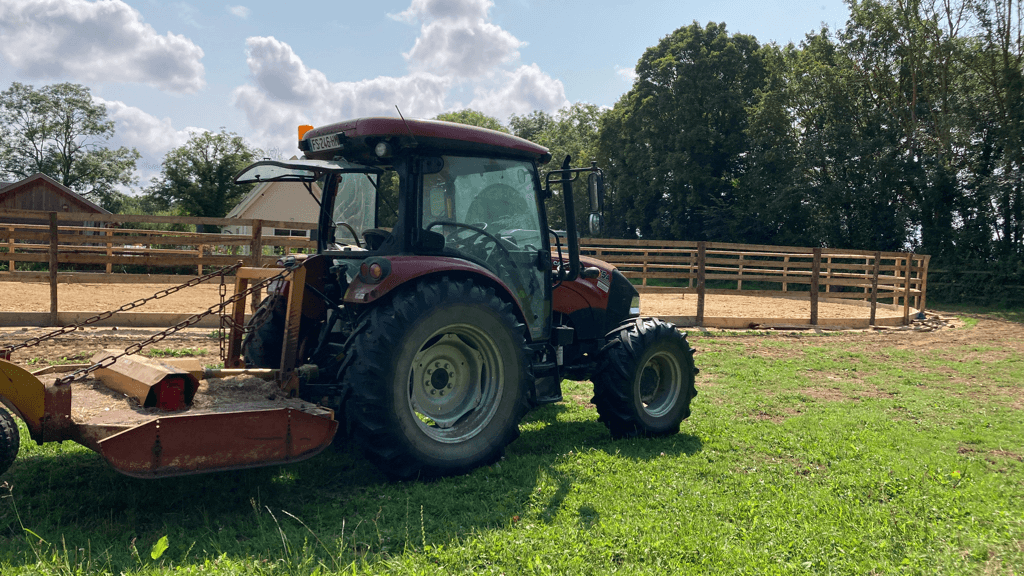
[(472, 118), (681, 131), (198, 177), (531, 126), (59, 131)]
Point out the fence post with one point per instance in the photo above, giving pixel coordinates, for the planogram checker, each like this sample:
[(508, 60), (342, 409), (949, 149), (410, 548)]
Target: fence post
[(644, 283), (255, 256), (815, 277), (785, 273), (110, 250), (924, 283), (53, 269), (739, 273), (701, 257), (906, 289), (256, 245), (200, 258), (10, 250), (874, 287)]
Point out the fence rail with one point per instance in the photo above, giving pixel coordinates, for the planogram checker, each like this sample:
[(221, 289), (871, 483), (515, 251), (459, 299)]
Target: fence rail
[(118, 249), (898, 279)]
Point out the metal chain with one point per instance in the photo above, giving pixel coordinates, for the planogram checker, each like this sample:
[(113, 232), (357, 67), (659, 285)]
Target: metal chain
[(139, 346), (6, 351)]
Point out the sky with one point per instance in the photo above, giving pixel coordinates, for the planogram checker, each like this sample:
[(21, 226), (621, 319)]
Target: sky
[(165, 69)]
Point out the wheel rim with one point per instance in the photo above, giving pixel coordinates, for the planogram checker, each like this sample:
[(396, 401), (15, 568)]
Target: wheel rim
[(660, 384), (455, 382)]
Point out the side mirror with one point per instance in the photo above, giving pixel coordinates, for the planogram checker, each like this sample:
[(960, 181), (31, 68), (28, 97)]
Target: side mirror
[(596, 222), (314, 235), (595, 187)]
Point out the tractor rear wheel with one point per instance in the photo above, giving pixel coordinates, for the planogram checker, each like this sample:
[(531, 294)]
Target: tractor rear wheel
[(645, 380), (10, 440), (262, 346), (437, 379)]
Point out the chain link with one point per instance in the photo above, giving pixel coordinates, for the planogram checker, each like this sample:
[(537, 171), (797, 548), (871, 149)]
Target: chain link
[(6, 351), (139, 346)]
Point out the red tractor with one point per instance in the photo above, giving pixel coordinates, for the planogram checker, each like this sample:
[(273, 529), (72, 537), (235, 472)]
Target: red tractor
[(438, 316)]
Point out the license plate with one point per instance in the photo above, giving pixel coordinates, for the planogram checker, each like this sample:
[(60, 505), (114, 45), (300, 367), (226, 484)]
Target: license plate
[(327, 142)]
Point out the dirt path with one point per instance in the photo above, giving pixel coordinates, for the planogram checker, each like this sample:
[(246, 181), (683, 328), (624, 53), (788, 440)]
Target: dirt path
[(35, 297)]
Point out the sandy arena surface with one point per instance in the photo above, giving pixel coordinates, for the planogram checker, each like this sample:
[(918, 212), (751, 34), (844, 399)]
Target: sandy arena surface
[(35, 297)]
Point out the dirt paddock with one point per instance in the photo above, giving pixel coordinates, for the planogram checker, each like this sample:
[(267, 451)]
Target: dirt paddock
[(35, 297)]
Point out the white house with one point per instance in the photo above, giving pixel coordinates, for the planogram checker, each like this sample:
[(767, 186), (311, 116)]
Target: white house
[(278, 201)]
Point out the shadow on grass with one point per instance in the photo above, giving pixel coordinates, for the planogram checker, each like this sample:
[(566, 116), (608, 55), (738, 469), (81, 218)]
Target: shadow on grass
[(68, 494)]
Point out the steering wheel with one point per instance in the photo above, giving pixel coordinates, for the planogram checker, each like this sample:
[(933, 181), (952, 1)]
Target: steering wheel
[(476, 233)]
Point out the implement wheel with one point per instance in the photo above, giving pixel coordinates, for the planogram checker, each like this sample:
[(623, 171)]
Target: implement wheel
[(644, 383), (262, 346), (10, 440), (438, 380)]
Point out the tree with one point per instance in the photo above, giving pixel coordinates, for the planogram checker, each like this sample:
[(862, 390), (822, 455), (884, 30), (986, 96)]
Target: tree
[(680, 132), (58, 130), (531, 126), (198, 177), (472, 118)]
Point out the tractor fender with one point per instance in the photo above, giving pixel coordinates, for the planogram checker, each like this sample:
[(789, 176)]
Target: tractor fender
[(407, 268)]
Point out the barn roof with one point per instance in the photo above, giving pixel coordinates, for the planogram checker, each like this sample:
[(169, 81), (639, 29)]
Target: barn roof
[(7, 188)]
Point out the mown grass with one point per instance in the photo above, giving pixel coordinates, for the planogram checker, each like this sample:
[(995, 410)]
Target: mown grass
[(804, 455)]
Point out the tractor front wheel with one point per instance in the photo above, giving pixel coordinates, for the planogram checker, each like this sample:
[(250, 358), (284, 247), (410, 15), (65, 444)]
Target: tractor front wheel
[(437, 379), (645, 380), (10, 440)]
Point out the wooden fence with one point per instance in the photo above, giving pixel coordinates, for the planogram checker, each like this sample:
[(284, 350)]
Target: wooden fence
[(895, 279), (126, 248), (120, 249)]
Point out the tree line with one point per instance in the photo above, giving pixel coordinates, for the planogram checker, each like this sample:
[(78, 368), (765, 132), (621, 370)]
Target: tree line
[(902, 130)]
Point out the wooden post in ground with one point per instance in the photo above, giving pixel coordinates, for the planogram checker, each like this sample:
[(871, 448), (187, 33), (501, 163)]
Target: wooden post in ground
[(785, 273), (255, 258), (10, 249), (199, 248), (924, 283), (815, 277), (645, 268), (739, 274), (53, 269), (701, 258), (874, 287), (110, 252), (906, 289)]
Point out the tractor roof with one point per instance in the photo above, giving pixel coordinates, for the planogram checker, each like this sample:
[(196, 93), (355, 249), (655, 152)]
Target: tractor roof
[(356, 140)]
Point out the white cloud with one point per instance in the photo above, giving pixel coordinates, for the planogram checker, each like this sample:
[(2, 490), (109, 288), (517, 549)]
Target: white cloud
[(96, 42), (456, 38), (432, 9), (288, 93), (153, 137), (458, 51), (139, 129), (521, 92), (240, 11), (629, 74)]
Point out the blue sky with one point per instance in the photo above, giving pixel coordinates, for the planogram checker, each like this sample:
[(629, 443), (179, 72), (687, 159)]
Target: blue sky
[(260, 68)]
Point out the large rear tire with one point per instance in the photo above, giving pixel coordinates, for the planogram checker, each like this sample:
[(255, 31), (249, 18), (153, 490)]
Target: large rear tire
[(645, 380), (438, 380), (262, 346), (10, 440)]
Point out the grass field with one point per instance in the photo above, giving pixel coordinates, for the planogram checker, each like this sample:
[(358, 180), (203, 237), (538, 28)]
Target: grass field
[(852, 453)]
